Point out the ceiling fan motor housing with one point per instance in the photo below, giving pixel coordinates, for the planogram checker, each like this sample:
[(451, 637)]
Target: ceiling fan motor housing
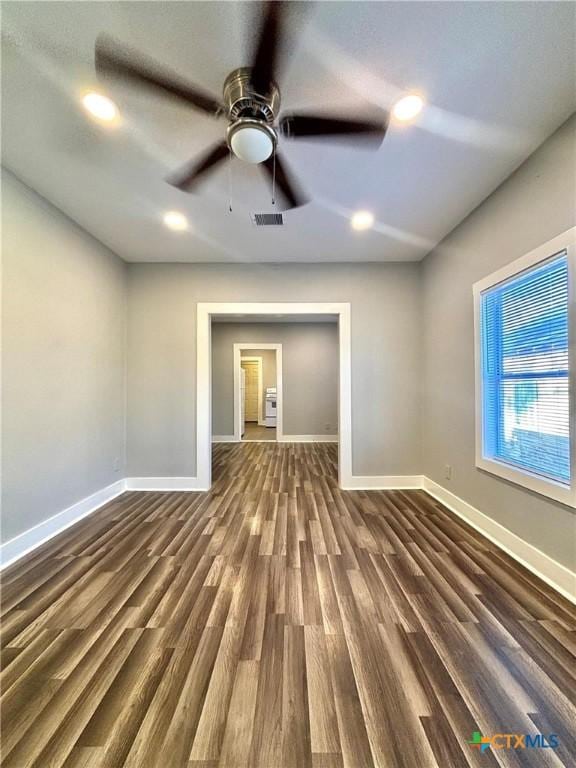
[(241, 99), (250, 135)]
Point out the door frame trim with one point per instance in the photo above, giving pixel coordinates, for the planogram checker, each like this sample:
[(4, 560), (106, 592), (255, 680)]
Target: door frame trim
[(260, 361), (237, 360), (204, 312)]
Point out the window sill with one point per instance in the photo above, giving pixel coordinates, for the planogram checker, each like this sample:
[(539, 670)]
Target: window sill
[(549, 488)]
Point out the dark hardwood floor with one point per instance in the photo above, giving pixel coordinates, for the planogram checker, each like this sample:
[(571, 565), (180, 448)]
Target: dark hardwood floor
[(278, 621)]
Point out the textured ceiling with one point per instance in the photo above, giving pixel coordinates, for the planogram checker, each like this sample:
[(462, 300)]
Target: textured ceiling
[(499, 78)]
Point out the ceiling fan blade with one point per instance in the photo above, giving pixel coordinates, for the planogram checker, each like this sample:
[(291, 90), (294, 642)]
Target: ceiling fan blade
[(113, 59), (300, 126), (187, 177), (269, 43), (284, 181)]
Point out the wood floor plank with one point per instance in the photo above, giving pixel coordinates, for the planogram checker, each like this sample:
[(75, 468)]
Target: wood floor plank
[(235, 751), (296, 746), (351, 723), (278, 621), (324, 736), (266, 747), (50, 739)]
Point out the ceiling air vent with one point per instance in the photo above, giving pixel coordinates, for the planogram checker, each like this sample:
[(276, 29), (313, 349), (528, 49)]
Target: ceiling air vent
[(267, 219)]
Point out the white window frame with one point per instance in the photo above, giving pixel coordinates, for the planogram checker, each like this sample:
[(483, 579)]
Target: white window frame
[(547, 487)]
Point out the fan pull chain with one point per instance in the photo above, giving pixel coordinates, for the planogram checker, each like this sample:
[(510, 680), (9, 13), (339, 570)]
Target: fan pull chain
[(274, 177), (230, 181)]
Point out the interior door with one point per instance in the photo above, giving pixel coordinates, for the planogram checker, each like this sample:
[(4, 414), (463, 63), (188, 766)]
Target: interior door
[(251, 368)]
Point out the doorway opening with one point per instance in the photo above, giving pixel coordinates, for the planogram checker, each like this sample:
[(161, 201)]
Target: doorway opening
[(257, 410), (252, 424), (207, 409)]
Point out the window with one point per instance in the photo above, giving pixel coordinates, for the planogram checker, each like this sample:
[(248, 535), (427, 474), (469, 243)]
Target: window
[(524, 371)]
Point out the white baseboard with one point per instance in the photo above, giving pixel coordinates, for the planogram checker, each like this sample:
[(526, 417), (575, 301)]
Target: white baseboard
[(557, 576), (25, 542), (163, 484), (560, 578), (308, 439), (224, 439), (382, 482)]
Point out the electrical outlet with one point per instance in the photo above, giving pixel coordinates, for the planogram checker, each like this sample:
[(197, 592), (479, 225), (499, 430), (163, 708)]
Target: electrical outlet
[(116, 464), (448, 471)]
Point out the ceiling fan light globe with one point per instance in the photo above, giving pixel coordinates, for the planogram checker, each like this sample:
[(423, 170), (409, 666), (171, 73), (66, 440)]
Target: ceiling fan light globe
[(251, 144)]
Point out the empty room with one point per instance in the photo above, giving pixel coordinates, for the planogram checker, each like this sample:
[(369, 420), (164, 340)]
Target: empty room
[(288, 418)]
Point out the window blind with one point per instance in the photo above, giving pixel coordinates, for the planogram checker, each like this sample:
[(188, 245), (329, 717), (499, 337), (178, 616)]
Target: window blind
[(524, 326)]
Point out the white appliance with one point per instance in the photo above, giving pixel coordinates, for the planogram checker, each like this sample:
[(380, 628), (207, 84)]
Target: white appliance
[(270, 409)]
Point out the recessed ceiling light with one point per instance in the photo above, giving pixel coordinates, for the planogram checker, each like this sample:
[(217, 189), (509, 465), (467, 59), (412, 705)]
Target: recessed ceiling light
[(175, 220), (408, 107), (100, 107), (362, 220)]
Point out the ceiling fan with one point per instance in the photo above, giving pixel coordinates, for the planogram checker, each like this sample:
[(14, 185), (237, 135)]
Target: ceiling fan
[(251, 102)]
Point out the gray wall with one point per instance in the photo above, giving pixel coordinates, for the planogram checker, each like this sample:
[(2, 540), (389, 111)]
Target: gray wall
[(63, 361), (535, 204), (412, 353), (162, 355), (309, 368)]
